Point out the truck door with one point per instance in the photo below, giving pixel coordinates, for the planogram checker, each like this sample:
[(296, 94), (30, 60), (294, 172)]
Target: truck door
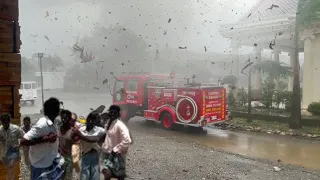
[(119, 92)]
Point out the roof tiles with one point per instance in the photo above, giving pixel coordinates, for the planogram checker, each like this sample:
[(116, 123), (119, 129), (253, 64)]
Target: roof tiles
[(260, 11)]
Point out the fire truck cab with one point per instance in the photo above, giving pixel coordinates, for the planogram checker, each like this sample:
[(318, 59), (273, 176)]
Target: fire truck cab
[(160, 98)]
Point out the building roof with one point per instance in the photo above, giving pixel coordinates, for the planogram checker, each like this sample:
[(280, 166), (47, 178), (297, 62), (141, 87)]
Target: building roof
[(261, 12), (260, 25)]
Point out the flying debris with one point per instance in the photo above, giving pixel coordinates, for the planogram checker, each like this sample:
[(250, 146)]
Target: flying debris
[(272, 43), (105, 81), (165, 32), (255, 44), (213, 63), (47, 14), (205, 48), (47, 38), (34, 35), (231, 28), (169, 20), (281, 32), (84, 58), (95, 88), (273, 6), (182, 47), (249, 15), (122, 64)]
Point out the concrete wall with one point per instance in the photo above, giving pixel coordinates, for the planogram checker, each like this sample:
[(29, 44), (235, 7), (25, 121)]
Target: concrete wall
[(51, 80)]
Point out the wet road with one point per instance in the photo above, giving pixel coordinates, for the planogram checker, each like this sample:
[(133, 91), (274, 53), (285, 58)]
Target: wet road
[(289, 150)]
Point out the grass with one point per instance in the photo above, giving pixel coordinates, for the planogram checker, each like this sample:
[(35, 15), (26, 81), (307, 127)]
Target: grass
[(265, 126)]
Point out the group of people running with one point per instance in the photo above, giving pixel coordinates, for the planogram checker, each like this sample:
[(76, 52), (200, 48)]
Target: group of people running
[(48, 145)]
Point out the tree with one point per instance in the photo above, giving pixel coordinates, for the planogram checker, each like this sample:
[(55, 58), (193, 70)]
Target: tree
[(49, 62), (28, 70), (274, 69), (267, 92), (307, 15), (232, 81), (116, 49)]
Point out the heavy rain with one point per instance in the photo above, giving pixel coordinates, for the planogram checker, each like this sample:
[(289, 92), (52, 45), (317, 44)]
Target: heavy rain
[(210, 90)]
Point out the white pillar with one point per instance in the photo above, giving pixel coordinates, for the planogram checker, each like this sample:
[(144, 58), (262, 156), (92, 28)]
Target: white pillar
[(308, 76), (276, 57), (292, 55), (256, 85)]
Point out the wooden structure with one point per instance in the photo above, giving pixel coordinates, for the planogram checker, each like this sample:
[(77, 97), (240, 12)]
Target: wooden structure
[(10, 64)]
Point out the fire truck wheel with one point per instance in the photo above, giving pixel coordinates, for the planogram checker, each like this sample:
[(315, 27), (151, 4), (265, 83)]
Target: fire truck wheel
[(166, 120)]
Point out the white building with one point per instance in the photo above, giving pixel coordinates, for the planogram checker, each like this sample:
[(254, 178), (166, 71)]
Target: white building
[(51, 80)]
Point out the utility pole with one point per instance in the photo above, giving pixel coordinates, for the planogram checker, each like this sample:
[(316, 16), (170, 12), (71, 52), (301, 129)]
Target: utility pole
[(249, 116), (40, 56)]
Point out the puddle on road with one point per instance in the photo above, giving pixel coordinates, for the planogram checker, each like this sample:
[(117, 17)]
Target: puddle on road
[(289, 150)]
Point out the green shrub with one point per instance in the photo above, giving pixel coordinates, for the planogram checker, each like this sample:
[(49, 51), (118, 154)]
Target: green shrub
[(231, 100), (267, 89), (314, 108), (242, 97), (288, 100), (279, 97)]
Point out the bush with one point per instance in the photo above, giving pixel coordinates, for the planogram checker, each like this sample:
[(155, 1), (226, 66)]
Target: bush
[(231, 100), (242, 97), (279, 97), (268, 87), (314, 108), (288, 100)]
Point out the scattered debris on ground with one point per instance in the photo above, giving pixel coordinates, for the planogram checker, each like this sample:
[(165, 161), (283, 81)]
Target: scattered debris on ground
[(239, 124)]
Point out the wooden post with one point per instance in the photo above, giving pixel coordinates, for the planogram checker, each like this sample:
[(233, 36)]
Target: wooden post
[(10, 65)]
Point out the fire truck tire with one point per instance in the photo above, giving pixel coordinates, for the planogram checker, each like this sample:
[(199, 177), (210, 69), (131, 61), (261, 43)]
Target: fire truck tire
[(166, 120)]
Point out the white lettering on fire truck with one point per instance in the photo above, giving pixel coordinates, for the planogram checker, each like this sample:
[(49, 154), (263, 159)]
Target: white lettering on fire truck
[(193, 93), (216, 105), (131, 101), (213, 93), (129, 96), (214, 97), (167, 94)]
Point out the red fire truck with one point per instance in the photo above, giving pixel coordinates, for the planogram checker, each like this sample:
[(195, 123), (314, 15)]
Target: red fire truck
[(160, 98)]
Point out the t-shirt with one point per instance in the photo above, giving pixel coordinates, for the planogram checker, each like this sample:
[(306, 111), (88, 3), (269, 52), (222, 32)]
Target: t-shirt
[(9, 139), (42, 155), (95, 132), (117, 139)]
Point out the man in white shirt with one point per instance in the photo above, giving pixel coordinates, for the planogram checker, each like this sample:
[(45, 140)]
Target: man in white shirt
[(90, 151), (44, 158), (9, 142)]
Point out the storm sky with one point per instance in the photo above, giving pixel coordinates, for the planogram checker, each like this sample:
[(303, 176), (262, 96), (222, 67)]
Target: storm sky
[(194, 23)]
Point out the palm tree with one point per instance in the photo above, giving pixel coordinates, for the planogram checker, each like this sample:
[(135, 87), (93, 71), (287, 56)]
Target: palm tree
[(308, 14), (274, 69)]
